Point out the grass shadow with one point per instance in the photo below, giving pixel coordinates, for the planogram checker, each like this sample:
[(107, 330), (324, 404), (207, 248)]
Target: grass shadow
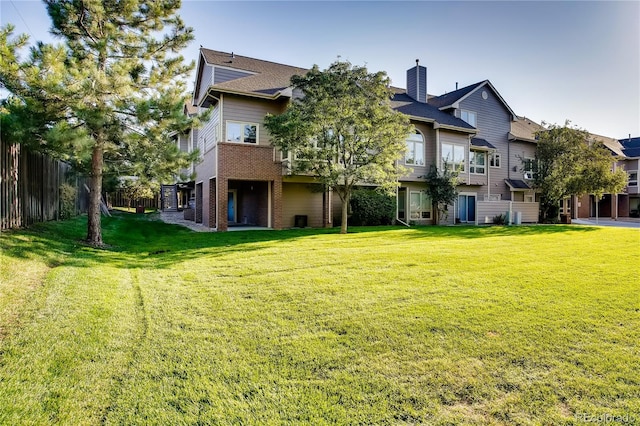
[(136, 241)]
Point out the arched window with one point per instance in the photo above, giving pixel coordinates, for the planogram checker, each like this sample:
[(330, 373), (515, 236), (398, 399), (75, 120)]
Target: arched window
[(415, 149)]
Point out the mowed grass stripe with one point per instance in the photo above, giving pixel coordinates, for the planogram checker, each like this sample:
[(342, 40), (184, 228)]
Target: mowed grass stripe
[(496, 325)]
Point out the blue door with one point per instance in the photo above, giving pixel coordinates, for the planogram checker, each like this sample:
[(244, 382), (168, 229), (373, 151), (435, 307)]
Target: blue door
[(231, 207), (467, 208)]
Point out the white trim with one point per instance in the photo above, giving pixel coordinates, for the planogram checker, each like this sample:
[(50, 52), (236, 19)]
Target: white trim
[(242, 125), (424, 146)]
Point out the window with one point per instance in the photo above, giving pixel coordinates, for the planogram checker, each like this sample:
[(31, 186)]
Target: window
[(530, 168), (494, 160), (477, 162), (419, 205), (633, 178), (242, 132), (468, 116), (415, 149), (453, 157)]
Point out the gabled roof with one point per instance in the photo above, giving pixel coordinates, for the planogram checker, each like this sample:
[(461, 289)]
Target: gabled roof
[(524, 129), (481, 143), (267, 79), (453, 99), (421, 111), (517, 184), (631, 147), (612, 144), (449, 99)]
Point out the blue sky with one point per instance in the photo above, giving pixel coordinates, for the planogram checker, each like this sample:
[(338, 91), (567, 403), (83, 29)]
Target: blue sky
[(550, 61)]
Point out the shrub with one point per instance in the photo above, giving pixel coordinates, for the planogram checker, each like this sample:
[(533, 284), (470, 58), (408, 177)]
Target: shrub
[(68, 195), (500, 219), (371, 208)]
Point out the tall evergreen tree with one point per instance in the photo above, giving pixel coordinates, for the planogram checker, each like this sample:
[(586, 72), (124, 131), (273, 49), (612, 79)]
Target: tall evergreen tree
[(115, 87), (342, 130)]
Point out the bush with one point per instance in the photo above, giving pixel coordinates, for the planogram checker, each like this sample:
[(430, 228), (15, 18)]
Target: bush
[(371, 208), (500, 219), (67, 201)]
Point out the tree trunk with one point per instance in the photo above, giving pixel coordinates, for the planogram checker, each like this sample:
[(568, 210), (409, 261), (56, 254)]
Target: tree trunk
[(94, 227), (436, 213), (345, 213)]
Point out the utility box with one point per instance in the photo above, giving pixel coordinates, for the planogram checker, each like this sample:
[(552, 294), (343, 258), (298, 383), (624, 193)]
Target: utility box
[(300, 221)]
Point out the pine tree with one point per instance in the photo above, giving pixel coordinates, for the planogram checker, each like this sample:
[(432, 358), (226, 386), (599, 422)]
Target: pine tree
[(115, 88)]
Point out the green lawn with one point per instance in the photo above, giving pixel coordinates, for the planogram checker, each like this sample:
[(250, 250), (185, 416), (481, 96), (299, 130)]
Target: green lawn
[(434, 325)]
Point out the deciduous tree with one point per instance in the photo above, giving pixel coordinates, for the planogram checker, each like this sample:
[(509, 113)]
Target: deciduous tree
[(569, 161), (442, 190), (342, 130)]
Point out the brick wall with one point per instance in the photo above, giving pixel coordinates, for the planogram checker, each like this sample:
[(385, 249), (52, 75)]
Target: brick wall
[(247, 162)]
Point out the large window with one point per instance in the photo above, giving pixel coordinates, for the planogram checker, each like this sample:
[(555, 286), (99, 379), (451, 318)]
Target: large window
[(419, 205), (468, 116), (633, 178), (242, 132), (415, 149), (453, 157), (477, 162)]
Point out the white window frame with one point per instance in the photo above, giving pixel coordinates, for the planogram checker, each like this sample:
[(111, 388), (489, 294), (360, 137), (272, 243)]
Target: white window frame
[(630, 181), (242, 125), (423, 210), (467, 115), (528, 173), (414, 161), (473, 167), (458, 166), (495, 160)]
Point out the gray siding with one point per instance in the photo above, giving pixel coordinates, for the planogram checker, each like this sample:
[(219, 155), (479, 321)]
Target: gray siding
[(416, 172), (417, 83), (517, 152), (205, 82), (221, 75), (493, 122), (249, 111), (298, 199)]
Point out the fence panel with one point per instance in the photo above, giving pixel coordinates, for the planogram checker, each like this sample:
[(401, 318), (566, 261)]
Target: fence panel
[(30, 187)]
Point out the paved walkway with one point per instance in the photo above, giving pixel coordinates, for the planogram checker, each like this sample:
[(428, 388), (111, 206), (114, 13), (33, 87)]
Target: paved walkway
[(622, 223), (177, 218)]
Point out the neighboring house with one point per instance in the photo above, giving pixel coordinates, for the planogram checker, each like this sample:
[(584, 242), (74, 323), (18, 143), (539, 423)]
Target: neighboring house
[(625, 154), (496, 181), (243, 180), (631, 150), (180, 195)]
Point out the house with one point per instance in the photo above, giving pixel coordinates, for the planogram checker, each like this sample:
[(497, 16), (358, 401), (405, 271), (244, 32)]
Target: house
[(631, 151), (180, 195), (496, 181), (625, 154), (243, 180)]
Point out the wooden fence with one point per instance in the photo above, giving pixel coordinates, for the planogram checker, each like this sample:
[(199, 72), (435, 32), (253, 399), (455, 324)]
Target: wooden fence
[(119, 199), (30, 187)]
